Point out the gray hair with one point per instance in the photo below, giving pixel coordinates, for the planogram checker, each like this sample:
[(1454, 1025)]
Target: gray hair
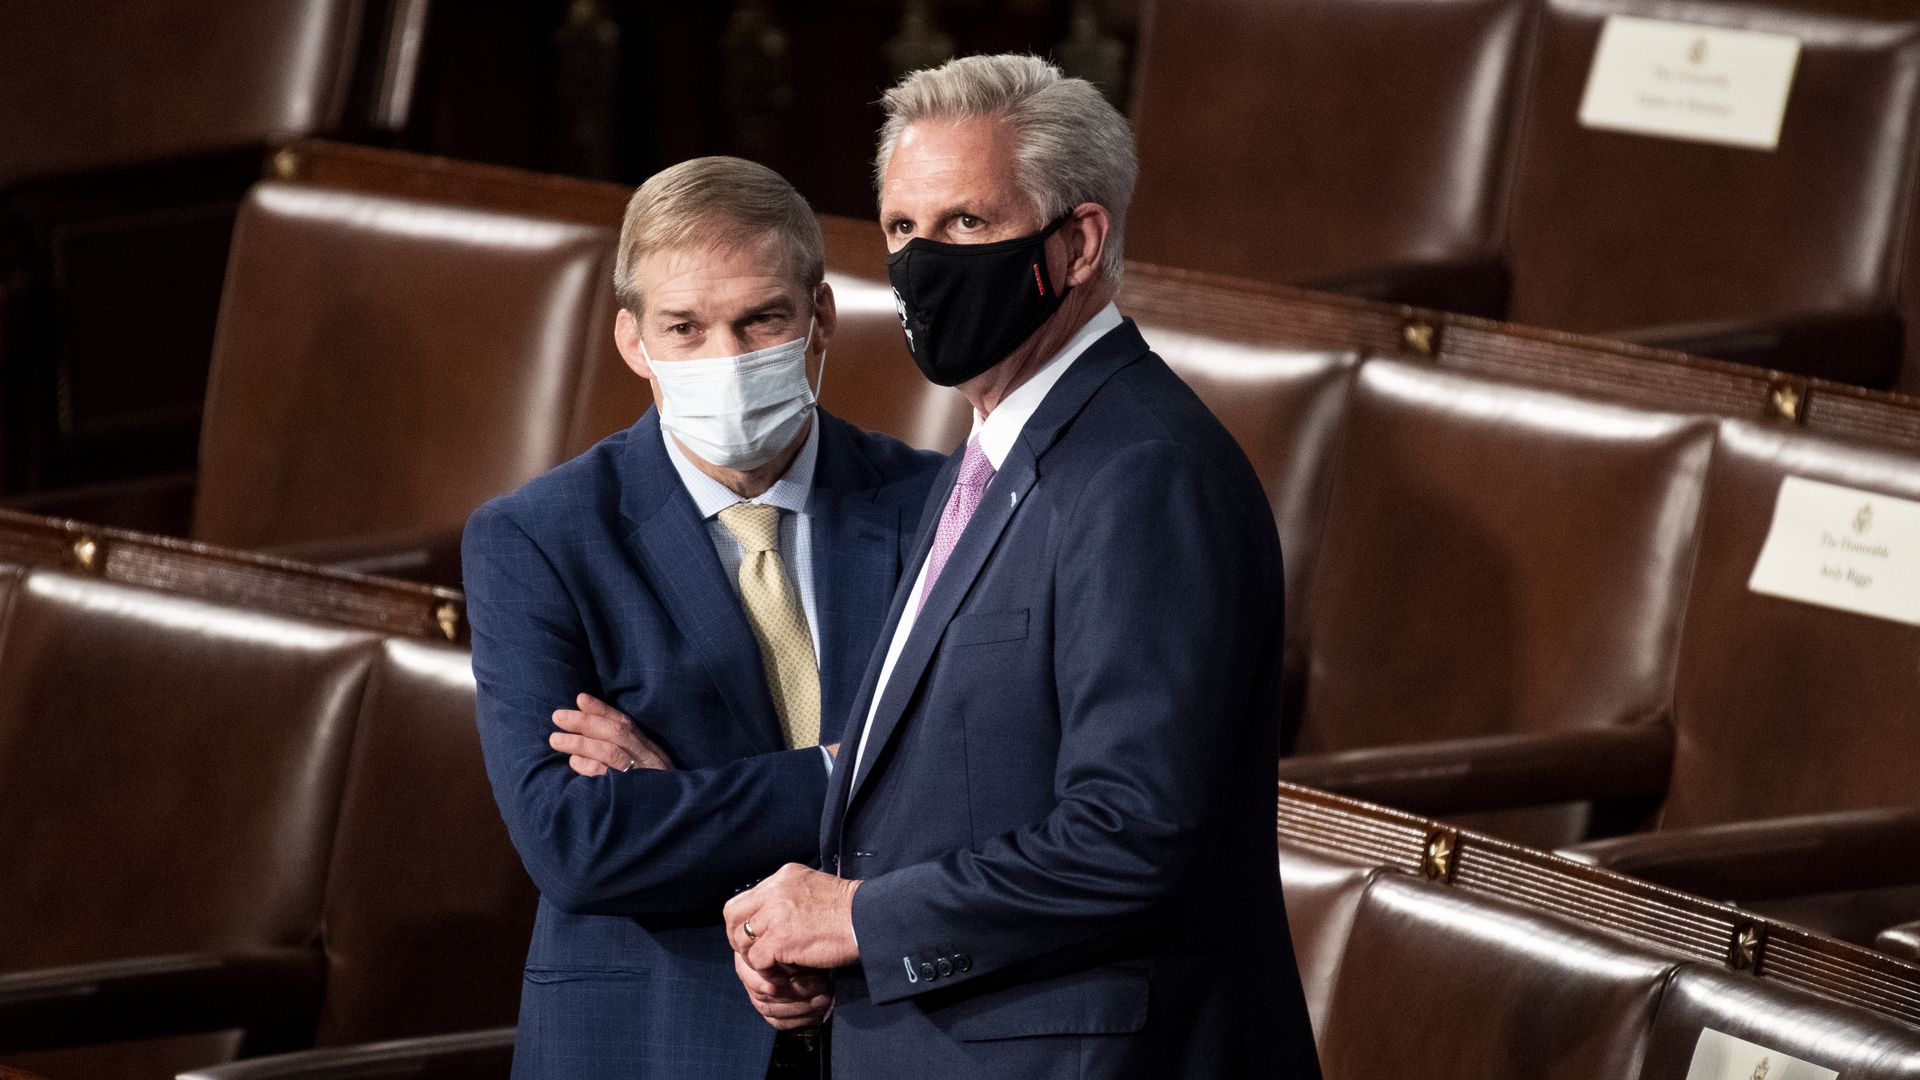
[(1074, 146), (717, 201)]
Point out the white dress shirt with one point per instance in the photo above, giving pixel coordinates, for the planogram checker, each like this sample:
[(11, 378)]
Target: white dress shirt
[(997, 434)]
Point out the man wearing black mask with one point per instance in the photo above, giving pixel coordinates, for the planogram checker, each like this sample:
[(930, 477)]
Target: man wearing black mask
[(1053, 855)]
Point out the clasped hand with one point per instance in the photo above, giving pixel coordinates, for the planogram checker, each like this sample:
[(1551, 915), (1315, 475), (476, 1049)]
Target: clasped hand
[(793, 926)]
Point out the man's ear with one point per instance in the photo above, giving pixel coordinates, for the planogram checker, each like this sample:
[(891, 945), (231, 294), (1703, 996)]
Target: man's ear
[(626, 338), (1085, 232), (826, 316)]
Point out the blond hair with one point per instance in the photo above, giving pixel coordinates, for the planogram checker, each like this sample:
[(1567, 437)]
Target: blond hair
[(717, 201)]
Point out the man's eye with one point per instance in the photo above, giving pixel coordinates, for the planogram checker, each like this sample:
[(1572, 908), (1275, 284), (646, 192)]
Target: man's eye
[(968, 221), (903, 227), (680, 329)]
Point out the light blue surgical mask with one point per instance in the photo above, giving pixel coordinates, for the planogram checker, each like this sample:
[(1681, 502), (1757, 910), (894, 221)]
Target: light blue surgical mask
[(737, 412)]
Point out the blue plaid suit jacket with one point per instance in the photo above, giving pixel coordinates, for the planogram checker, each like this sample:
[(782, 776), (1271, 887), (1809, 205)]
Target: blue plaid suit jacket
[(599, 577)]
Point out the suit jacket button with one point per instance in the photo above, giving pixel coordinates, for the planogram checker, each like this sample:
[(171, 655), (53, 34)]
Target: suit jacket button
[(927, 971), (962, 962), (944, 966)]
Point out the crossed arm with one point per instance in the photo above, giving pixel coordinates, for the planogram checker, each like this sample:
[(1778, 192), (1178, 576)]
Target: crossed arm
[(597, 739)]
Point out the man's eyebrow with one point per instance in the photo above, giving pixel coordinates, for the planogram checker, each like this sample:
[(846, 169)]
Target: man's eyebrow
[(683, 315), (946, 214), (781, 303)]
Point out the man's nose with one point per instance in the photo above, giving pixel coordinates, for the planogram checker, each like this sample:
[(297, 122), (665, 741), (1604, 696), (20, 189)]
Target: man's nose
[(730, 343)]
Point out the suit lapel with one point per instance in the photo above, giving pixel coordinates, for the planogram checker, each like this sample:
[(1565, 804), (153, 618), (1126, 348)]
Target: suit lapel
[(1002, 500), (915, 555), (677, 555), (855, 561), (997, 507)]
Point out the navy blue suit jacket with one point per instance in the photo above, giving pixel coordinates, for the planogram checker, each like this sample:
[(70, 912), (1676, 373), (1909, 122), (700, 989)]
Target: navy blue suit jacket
[(600, 577), (1063, 818)]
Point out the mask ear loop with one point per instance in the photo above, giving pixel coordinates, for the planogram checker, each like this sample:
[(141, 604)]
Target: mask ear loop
[(821, 379)]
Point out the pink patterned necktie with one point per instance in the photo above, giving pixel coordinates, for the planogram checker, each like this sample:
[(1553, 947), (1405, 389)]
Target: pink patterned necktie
[(975, 473)]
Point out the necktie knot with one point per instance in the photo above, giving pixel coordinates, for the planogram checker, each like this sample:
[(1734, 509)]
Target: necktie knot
[(755, 525), (975, 470)]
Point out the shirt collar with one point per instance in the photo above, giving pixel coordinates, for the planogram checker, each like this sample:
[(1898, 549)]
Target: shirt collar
[(1001, 427), (788, 493)]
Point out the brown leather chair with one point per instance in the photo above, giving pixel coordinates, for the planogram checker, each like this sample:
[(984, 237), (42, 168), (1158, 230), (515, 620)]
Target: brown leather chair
[(1793, 721), (1356, 145), (1857, 1044), (384, 365), (1786, 258), (428, 911), (1509, 569), (1439, 982), (1322, 892), (173, 770), (135, 131), (1283, 401), (472, 1055)]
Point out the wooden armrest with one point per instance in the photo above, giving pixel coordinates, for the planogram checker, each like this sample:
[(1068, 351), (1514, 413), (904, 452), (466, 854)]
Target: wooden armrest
[(1862, 347), (429, 554), (471, 1055), (1773, 858), (153, 996), (1497, 772)]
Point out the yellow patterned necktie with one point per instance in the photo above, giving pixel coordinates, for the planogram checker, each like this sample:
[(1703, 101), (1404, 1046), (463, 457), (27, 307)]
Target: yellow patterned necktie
[(779, 623)]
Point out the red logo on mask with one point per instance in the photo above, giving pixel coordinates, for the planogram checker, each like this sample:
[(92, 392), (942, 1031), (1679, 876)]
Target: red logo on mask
[(1038, 283)]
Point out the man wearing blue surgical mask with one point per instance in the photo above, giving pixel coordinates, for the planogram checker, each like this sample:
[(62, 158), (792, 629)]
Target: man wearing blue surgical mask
[(668, 633)]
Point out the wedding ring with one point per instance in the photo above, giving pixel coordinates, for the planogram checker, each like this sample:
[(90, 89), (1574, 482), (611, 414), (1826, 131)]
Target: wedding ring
[(748, 927)]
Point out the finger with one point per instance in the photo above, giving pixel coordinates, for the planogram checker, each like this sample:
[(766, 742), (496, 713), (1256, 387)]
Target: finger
[(606, 753), (760, 953), (569, 719), (738, 912), (788, 1025), (617, 731), (590, 704), (586, 766), (803, 1009), (759, 986)]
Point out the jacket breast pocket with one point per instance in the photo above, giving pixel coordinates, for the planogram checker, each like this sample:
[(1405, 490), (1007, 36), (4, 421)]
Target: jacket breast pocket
[(987, 628), (1099, 1001)]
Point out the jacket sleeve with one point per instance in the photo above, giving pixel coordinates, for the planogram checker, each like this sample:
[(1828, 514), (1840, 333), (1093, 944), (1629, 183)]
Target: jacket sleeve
[(1167, 602), (634, 843)]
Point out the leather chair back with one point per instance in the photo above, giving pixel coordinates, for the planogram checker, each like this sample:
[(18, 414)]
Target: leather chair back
[(1442, 983), (172, 769), (1322, 892), (1330, 142), (114, 84), (428, 911), (1284, 405), (1783, 707), (1853, 1042), (1497, 559), (1617, 232), (385, 364)]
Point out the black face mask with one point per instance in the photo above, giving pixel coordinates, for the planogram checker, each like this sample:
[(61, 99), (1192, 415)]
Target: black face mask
[(966, 306)]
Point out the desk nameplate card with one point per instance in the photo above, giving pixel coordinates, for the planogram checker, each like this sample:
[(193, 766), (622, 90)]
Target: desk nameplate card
[(1696, 83), (1719, 1056), (1842, 548)]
